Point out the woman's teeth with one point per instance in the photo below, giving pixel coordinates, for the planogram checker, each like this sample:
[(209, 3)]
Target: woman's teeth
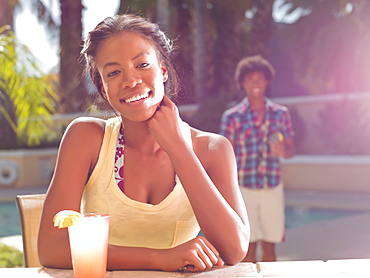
[(136, 98)]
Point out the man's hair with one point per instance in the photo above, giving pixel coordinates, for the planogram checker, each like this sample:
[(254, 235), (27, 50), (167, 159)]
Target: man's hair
[(253, 64)]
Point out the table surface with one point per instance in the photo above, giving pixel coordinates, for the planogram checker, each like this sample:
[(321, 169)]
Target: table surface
[(352, 268)]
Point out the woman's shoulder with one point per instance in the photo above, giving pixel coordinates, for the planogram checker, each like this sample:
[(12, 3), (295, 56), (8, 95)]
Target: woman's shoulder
[(87, 124), (84, 135), (87, 129), (209, 143), (213, 150)]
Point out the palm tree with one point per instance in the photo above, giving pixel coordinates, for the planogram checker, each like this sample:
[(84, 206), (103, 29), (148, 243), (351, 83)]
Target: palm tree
[(72, 89), (6, 24), (200, 59), (27, 97), (7, 12), (142, 7), (72, 86), (229, 21), (163, 14), (261, 31)]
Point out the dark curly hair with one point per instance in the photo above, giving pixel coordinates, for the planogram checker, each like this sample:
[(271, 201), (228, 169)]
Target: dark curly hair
[(135, 24), (253, 64)]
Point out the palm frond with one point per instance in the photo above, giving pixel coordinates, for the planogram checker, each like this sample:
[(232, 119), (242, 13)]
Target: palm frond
[(31, 93)]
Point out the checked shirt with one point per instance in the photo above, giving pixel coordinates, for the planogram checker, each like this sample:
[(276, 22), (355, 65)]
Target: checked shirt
[(257, 167)]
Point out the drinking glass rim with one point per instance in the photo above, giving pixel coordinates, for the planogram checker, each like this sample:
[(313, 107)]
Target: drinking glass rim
[(92, 214)]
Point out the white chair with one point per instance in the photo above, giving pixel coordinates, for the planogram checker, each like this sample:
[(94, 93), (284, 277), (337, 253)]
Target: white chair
[(30, 209)]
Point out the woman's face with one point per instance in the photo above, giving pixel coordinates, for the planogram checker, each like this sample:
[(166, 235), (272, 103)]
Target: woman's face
[(133, 78)]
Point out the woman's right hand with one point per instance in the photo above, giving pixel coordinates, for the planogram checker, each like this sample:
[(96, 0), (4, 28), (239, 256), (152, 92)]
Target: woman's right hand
[(197, 254)]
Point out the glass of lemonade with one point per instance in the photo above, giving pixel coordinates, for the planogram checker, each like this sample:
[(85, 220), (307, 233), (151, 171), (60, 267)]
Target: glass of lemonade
[(89, 245)]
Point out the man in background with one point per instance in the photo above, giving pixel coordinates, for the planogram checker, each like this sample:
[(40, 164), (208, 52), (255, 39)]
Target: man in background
[(260, 132)]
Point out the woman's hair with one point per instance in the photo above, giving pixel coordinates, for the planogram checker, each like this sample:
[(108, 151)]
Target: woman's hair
[(135, 24), (253, 64)]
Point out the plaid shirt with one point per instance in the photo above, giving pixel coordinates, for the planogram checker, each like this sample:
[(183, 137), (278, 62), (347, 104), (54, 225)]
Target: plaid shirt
[(257, 168)]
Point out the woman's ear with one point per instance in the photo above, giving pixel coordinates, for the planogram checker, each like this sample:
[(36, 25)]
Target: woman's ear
[(103, 93), (164, 71), (102, 90)]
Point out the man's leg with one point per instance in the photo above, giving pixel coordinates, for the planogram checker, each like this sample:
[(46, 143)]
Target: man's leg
[(251, 255), (272, 221), (268, 251), (251, 201)]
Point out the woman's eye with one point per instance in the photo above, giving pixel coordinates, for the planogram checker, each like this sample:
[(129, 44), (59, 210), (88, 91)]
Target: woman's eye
[(113, 73), (143, 65)]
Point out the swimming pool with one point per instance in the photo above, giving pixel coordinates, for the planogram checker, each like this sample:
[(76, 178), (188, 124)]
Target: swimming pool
[(299, 216), (294, 216), (9, 220)]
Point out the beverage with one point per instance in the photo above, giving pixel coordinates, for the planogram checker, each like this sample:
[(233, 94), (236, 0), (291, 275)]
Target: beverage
[(275, 139), (89, 245)]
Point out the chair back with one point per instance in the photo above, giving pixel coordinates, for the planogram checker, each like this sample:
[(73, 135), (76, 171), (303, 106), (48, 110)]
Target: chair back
[(30, 209)]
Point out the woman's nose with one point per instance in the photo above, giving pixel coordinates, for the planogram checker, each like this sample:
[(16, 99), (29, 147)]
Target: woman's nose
[(132, 79)]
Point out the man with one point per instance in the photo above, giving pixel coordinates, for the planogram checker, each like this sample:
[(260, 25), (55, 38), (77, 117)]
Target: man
[(260, 132)]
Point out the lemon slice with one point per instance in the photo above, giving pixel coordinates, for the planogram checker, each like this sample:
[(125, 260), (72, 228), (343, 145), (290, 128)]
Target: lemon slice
[(66, 218), (280, 136), (276, 137)]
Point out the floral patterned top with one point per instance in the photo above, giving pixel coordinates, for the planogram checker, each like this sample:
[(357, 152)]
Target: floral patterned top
[(119, 160)]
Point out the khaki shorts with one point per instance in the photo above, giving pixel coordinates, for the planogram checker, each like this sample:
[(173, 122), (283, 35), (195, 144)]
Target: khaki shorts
[(265, 209)]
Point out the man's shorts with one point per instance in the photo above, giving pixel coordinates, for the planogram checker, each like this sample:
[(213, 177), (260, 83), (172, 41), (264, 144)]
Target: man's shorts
[(265, 209)]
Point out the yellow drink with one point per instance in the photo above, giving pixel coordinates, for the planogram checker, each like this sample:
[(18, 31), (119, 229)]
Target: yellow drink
[(89, 245)]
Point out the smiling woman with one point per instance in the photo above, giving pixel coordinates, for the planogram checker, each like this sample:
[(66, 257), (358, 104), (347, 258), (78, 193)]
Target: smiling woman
[(146, 167)]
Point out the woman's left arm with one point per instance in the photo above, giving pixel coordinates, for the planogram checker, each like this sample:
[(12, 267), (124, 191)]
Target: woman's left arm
[(208, 174), (210, 181)]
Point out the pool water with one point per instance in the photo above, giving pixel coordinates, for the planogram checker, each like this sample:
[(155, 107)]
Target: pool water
[(299, 216), (9, 220), (294, 217)]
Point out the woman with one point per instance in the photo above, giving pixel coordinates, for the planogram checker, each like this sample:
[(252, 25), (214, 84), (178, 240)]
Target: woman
[(158, 178)]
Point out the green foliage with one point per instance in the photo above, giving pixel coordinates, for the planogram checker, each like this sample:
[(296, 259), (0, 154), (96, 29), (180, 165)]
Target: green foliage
[(27, 96), (10, 256)]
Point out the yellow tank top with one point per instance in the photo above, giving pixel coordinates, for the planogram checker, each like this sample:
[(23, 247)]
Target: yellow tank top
[(167, 224)]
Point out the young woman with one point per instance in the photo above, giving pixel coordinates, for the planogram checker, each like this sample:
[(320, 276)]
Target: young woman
[(159, 179)]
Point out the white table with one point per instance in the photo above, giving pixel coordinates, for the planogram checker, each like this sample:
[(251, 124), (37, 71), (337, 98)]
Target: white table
[(239, 270), (352, 268)]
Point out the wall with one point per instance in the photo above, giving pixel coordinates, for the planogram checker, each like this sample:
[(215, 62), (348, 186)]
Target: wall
[(309, 108), (327, 173), (30, 168)]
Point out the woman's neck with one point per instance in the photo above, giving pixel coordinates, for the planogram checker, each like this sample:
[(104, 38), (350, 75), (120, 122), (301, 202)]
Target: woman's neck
[(138, 136)]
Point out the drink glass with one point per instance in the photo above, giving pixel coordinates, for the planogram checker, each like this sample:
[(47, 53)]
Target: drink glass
[(274, 139), (89, 245)]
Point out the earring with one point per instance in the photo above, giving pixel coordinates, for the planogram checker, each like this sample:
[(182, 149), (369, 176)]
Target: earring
[(165, 78)]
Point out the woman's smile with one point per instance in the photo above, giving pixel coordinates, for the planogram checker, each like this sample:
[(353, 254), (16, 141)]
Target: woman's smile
[(136, 98)]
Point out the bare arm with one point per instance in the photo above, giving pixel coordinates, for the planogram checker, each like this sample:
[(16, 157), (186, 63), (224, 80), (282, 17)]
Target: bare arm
[(214, 194), (284, 148), (79, 146), (289, 148), (209, 178)]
